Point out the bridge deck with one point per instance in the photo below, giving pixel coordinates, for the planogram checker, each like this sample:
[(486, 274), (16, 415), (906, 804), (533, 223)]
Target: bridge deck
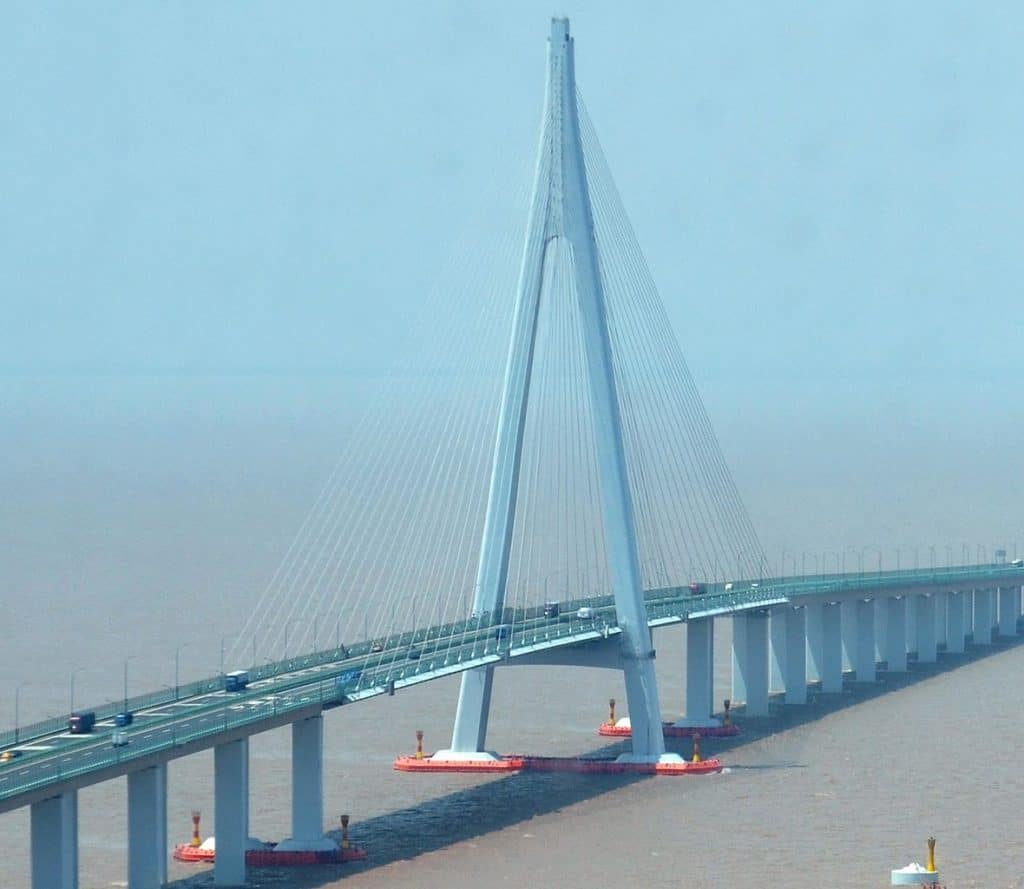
[(169, 724)]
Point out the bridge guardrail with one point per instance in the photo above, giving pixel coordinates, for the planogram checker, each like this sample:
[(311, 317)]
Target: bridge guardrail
[(394, 645), (325, 692)]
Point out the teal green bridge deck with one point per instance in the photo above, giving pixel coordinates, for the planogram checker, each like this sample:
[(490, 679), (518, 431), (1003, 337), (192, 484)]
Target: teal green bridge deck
[(176, 722)]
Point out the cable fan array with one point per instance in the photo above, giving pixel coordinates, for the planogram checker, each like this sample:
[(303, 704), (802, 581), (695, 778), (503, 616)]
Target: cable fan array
[(391, 543)]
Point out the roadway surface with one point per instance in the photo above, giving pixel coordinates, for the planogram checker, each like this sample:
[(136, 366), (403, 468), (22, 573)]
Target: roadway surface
[(46, 758)]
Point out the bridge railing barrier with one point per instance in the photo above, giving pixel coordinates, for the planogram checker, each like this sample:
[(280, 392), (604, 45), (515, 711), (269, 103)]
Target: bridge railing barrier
[(673, 601)]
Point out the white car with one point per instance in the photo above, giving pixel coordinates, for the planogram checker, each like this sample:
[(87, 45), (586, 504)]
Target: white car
[(1017, 563), (585, 613)]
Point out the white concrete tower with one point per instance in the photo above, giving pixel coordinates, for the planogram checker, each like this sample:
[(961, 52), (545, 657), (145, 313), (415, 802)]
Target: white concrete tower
[(561, 228)]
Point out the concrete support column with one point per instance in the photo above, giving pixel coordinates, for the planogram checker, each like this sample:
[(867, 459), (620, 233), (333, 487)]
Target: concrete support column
[(700, 661), (147, 828), (54, 826), (925, 608), (308, 788), (881, 629), (983, 617), (814, 654), (865, 651), (1008, 606), (849, 630), (941, 630), (796, 656), (789, 653), (231, 811), (750, 661), (955, 632), (739, 656), (777, 649), (912, 625), (896, 634), (831, 649)]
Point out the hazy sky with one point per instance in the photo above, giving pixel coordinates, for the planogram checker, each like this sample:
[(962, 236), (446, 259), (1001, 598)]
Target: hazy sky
[(829, 197)]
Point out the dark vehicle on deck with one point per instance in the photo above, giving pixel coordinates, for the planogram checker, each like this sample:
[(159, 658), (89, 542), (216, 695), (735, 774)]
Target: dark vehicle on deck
[(236, 680), (81, 723)]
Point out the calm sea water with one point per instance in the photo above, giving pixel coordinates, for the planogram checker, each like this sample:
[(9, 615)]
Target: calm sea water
[(129, 533)]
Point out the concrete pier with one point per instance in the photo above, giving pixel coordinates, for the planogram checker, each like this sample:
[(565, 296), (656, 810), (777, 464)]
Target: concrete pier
[(231, 811), (896, 634), (955, 623), (912, 625), (814, 655), (54, 826), (750, 661), (941, 630), (924, 605), (832, 653), (848, 609), (864, 665), (983, 618), (700, 662), (308, 789), (147, 828), (1008, 610), (881, 628), (788, 639)]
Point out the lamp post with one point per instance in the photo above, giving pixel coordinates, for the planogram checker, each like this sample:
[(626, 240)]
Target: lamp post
[(818, 569), (71, 683), (287, 627), (130, 657), (177, 666), (223, 639), (17, 702), (824, 563), (863, 551)]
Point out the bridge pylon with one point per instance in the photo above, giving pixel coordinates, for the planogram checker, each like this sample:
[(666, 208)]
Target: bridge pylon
[(560, 229)]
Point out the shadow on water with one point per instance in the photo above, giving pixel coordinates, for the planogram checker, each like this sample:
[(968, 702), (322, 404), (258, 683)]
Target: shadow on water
[(476, 811)]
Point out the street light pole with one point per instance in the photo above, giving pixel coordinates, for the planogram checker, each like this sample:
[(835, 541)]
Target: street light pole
[(287, 627), (129, 658), (223, 639), (72, 688), (17, 702), (177, 666)]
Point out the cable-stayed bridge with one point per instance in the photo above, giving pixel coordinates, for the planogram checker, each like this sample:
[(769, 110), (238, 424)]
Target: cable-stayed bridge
[(558, 522)]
